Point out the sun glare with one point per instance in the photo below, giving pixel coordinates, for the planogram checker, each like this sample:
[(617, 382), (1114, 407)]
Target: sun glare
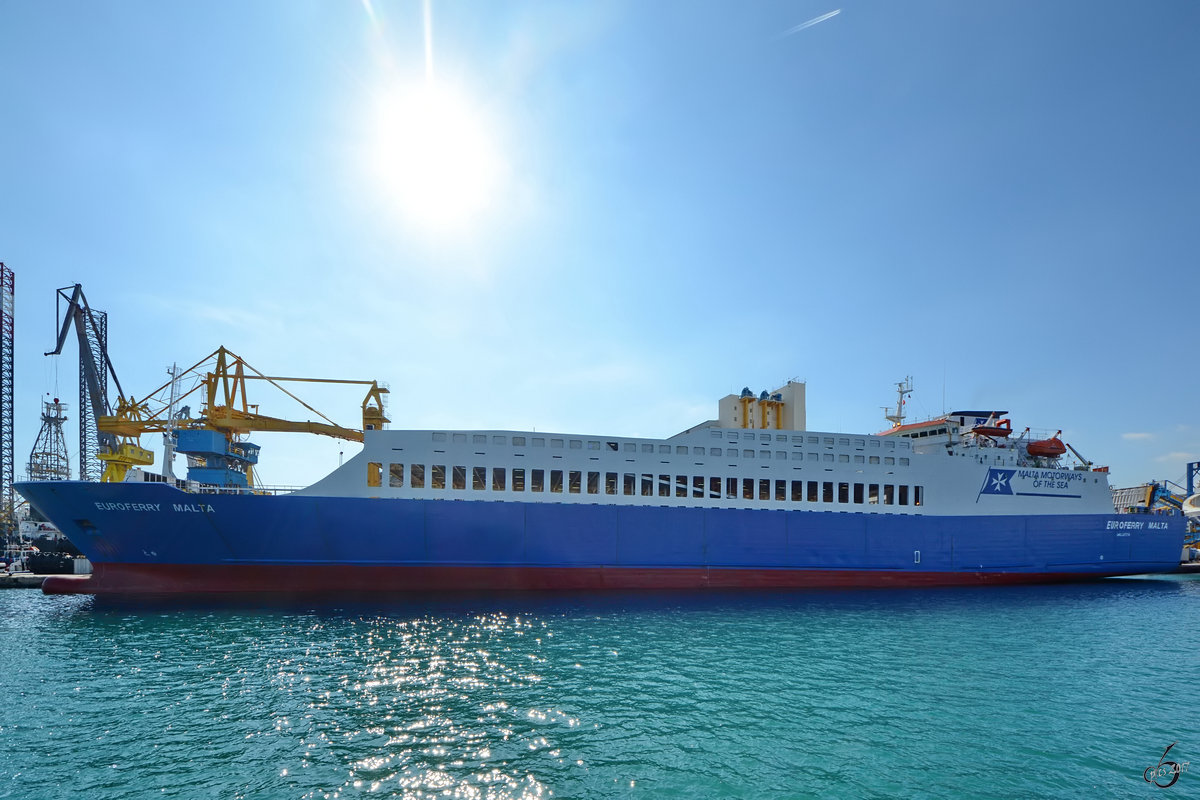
[(433, 157)]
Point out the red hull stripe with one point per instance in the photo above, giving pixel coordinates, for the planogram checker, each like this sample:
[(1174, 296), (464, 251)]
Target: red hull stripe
[(348, 580)]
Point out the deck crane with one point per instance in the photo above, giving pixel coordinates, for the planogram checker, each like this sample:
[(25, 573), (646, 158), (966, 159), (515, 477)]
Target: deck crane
[(227, 415)]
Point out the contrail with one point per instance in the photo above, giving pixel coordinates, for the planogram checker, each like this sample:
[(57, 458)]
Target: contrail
[(811, 22)]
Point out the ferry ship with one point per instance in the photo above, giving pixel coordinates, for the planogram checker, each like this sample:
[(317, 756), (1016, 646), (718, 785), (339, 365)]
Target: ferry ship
[(751, 499)]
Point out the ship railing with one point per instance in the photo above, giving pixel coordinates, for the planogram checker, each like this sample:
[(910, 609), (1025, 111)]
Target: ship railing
[(201, 489)]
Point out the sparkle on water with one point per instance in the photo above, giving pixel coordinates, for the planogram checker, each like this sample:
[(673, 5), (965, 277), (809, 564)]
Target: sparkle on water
[(1045, 691)]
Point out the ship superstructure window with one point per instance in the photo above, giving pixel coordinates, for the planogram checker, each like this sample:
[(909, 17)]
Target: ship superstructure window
[(747, 488), (537, 480), (814, 456), (712, 451), (416, 476), (697, 486), (459, 477), (518, 476), (731, 488), (858, 493), (873, 494), (498, 479), (764, 488), (439, 437), (681, 486), (918, 495), (680, 450), (396, 476), (437, 477), (903, 495), (518, 441), (556, 481), (647, 485), (593, 483), (460, 438), (539, 441), (479, 438), (647, 448), (575, 444), (873, 442), (903, 461), (764, 454), (797, 491), (478, 478), (813, 495), (630, 447), (374, 474), (889, 460), (780, 490), (843, 458), (556, 443), (664, 485), (610, 483), (630, 483), (873, 460), (664, 448), (747, 454), (843, 493), (499, 440), (889, 494), (574, 481), (827, 492)]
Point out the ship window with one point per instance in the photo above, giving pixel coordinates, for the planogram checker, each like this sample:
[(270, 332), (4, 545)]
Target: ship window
[(664, 448), (374, 474), (764, 489), (764, 454), (829, 441), (697, 451), (843, 493), (748, 437), (873, 443), (814, 457), (827, 492), (697, 486), (843, 458), (813, 494), (764, 437), (459, 476), (813, 439), (499, 439), (479, 438), (828, 456), (647, 485), (918, 495), (556, 443), (498, 479), (478, 478), (747, 488), (681, 451), (797, 491), (844, 442), (417, 476), (890, 444), (889, 494), (537, 480), (438, 479), (538, 441), (612, 446), (630, 482), (460, 438), (714, 487), (797, 456), (731, 488), (873, 494), (903, 461), (439, 437), (396, 476), (780, 437), (859, 459), (713, 451), (858, 493), (664, 485), (575, 444), (889, 460), (859, 443), (903, 495), (610, 483), (874, 460), (556, 481), (593, 483), (519, 441), (681, 485), (574, 481), (747, 454), (518, 479), (630, 447), (593, 445), (781, 454), (781, 490)]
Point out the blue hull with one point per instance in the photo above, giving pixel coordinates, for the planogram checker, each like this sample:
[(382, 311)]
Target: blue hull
[(198, 541)]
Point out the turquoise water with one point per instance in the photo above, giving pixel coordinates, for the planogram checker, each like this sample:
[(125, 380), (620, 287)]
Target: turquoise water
[(1061, 691)]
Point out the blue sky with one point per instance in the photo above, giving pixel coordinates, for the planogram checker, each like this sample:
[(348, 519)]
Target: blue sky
[(602, 217)]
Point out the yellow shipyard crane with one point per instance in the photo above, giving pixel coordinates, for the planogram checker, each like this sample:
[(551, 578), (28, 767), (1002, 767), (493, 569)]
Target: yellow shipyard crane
[(226, 415)]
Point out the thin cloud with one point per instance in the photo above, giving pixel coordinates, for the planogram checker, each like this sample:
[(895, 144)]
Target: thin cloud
[(811, 22), (1177, 457), (1137, 436)]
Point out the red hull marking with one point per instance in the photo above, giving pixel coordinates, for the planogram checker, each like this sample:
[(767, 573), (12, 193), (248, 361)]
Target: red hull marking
[(347, 579)]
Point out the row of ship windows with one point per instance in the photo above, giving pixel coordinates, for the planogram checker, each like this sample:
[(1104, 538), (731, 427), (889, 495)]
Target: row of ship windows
[(646, 447), (696, 486)]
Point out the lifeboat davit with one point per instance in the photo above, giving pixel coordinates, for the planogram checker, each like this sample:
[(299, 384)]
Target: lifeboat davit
[(1047, 448)]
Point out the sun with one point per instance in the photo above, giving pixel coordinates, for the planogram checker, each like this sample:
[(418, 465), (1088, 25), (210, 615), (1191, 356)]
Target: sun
[(433, 157)]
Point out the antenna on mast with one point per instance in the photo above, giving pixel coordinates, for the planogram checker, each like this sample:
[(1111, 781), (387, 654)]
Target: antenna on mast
[(903, 388)]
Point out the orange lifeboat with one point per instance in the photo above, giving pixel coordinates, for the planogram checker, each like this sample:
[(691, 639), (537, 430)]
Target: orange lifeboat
[(1047, 448), (999, 430)]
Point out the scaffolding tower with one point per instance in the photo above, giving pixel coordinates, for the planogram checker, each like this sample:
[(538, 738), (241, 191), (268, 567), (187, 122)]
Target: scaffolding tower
[(8, 522), (48, 461)]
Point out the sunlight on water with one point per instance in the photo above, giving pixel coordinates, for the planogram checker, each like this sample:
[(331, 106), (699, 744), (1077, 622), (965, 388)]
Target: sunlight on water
[(983, 693)]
